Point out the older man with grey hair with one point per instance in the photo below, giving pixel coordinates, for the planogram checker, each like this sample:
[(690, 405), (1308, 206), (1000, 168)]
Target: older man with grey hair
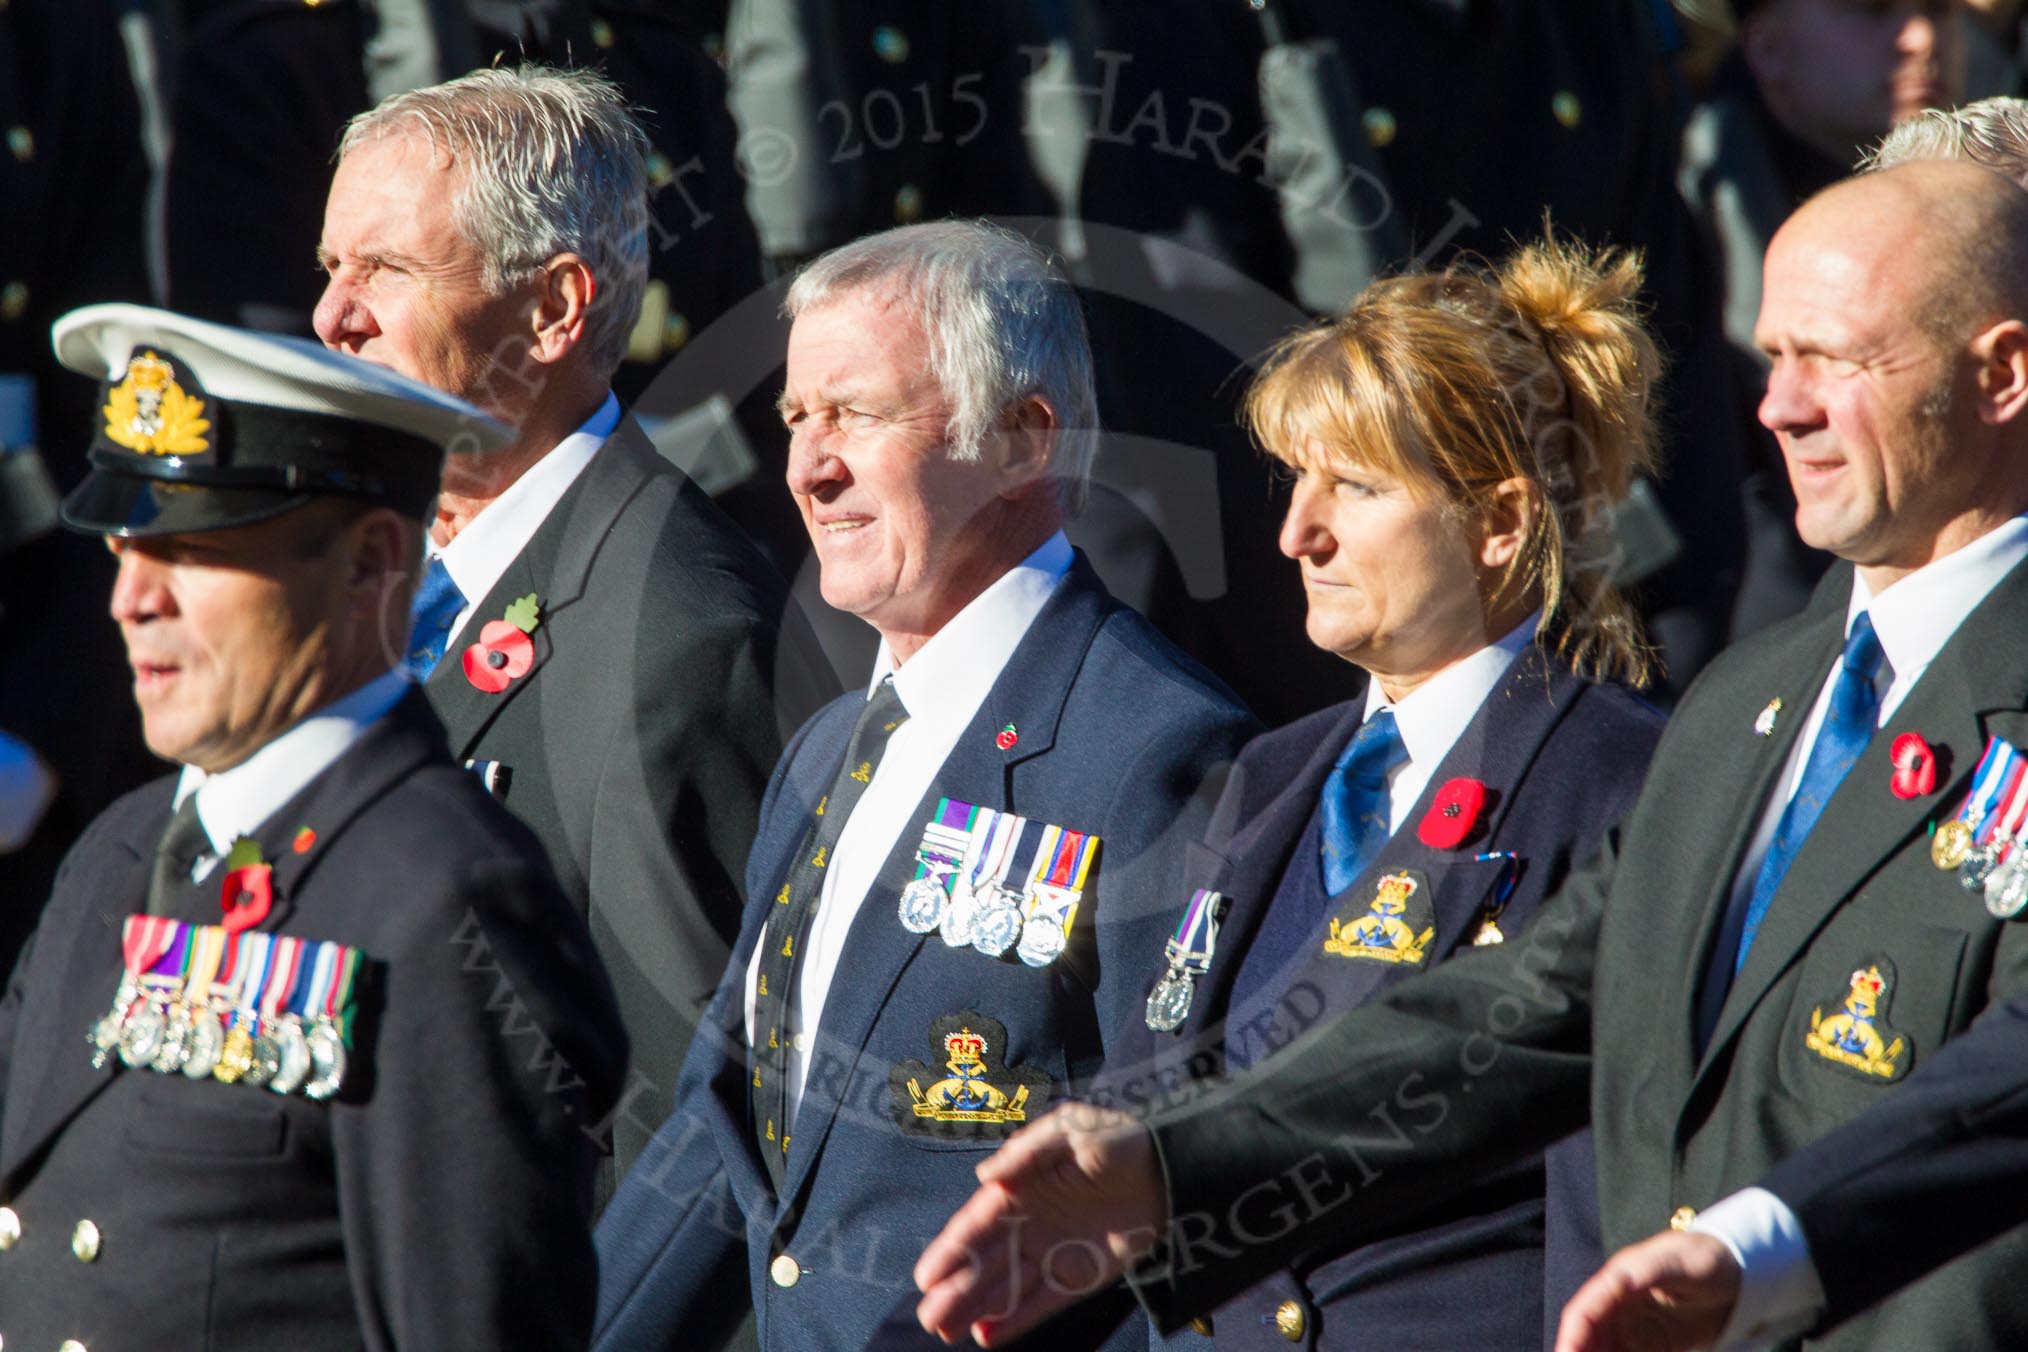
[(963, 867), (598, 639), (1991, 133)]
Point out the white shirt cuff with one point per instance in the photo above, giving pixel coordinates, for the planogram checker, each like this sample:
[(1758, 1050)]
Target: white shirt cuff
[(1780, 1296)]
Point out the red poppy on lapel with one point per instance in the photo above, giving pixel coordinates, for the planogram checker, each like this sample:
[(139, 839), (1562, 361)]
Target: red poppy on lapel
[(248, 890), (504, 652), (502, 656), (1453, 815), (1914, 766), (305, 841), (1007, 738)]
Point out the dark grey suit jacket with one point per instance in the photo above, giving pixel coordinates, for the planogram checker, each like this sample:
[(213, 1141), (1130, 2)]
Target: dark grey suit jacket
[(1934, 1172), (639, 743), (1491, 1056)]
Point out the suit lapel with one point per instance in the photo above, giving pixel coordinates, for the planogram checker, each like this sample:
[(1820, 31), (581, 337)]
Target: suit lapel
[(553, 567), (1742, 773), (1030, 694), (1978, 672)]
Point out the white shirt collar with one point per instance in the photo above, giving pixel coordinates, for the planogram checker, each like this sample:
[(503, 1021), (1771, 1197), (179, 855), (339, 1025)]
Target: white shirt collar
[(233, 803), (952, 672), (1436, 713), (1917, 615), (478, 555)]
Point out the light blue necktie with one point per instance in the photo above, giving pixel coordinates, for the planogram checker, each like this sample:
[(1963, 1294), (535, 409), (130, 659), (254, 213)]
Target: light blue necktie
[(437, 603), (1355, 804)]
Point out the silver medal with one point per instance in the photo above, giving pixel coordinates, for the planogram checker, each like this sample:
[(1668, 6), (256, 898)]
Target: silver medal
[(267, 1060), (2007, 888), (997, 926), (141, 1035), (1169, 1002), (105, 1034), (960, 916), (327, 1060), (1974, 872), (923, 903), (175, 1046), (207, 1040), (292, 1057), (1041, 941)]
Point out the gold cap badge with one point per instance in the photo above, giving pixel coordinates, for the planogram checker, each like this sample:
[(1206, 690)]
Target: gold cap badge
[(148, 412)]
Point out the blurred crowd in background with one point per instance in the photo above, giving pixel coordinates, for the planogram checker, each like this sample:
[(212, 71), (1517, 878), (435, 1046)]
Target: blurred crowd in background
[(1211, 174)]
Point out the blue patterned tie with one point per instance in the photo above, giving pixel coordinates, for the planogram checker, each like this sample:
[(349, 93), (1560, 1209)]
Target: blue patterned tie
[(1355, 805), (1848, 727), (437, 603)]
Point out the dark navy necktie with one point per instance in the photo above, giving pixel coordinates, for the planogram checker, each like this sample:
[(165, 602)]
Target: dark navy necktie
[(1849, 724), (437, 603), (182, 842), (1355, 803), (789, 923)]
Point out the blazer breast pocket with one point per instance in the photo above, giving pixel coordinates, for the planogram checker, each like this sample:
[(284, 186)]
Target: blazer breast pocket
[(174, 1124), (971, 1095), (1868, 1009)]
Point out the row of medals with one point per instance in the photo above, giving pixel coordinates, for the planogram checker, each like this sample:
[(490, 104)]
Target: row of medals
[(157, 1031), (1979, 868), (987, 918)]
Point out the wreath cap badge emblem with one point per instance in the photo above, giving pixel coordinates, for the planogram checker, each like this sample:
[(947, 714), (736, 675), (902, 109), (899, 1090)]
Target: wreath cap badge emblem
[(150, 414)]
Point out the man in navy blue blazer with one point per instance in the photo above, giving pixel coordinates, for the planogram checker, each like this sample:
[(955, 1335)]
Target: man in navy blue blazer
[(960, 870)]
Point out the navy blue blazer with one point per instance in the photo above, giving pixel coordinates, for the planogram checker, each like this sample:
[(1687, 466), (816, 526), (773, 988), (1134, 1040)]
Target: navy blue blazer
[(1117, 734), (1561, 759)]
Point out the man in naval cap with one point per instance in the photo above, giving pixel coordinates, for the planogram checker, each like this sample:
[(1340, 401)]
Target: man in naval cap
[(300, 1050)]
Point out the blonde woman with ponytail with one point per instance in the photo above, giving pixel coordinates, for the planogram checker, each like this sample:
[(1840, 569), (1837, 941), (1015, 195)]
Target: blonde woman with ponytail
[(1456, 442)]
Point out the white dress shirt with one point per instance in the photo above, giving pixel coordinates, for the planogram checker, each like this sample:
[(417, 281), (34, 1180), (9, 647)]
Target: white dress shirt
[(942, 687), (1780, 1293), (478, 555), (1436, 713), (233, 803)]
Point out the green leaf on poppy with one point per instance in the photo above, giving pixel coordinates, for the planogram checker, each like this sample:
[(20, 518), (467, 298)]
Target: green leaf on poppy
[(245, 851), (524, 614)]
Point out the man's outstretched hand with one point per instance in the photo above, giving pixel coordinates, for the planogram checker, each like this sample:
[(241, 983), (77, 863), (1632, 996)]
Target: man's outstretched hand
[(1670, 1293), (1062, 1208)]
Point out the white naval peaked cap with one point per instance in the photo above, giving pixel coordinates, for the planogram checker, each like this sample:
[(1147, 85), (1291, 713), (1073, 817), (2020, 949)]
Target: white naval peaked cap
[(204, 426)]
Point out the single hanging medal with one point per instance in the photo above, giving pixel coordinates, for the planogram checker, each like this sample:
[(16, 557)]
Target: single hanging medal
[(1955, 839), (937, 859), (177, 1026), (2010, 811), (998, 926), (961, 916), (267, 1051), (207, 1035), (1054, 895), (1189, 954), (292, 1044), (332, 1032), (235, 1058)]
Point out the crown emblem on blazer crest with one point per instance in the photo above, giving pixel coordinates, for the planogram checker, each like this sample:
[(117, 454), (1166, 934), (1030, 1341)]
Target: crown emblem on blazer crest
[(1396, 927), (977, 1095), (1856, 1037)]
